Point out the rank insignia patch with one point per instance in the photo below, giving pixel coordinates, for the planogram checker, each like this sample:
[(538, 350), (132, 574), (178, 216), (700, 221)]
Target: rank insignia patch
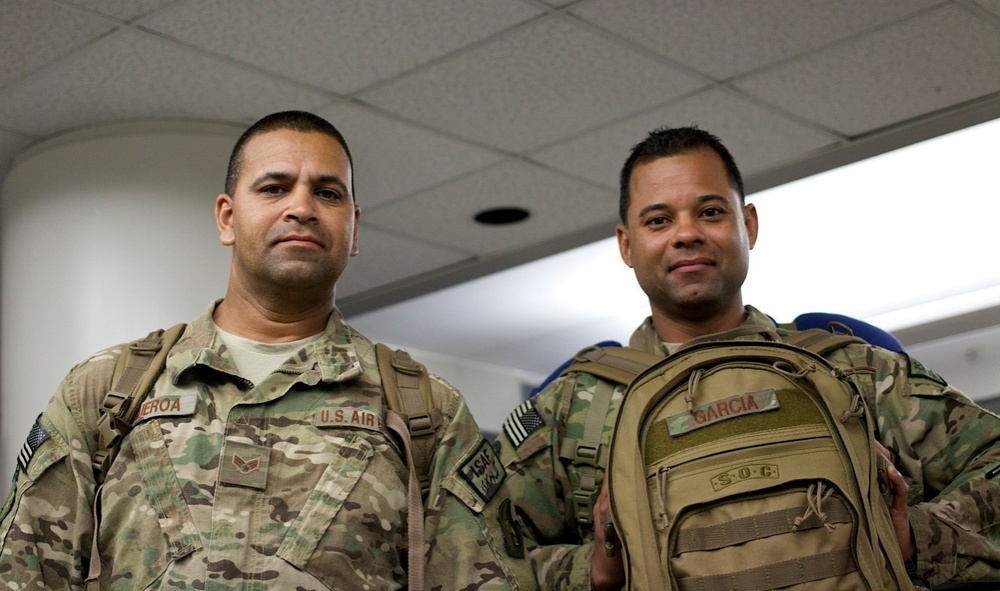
[(36, 437), (523, 421)]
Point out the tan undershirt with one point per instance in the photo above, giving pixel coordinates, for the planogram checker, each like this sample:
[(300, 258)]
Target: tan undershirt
[(255, 361)]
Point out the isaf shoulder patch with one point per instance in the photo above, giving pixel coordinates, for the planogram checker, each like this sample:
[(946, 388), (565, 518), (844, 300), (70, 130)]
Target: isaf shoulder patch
[(36, 437), (522, 422), (915, 369), (483, 471)]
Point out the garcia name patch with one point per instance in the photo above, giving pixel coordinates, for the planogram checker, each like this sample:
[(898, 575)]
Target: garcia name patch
[(720, 410), (523, 421), (36, 437), (483, 471)]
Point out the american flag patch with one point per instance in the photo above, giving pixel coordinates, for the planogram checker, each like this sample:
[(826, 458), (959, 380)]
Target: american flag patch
[(36, 437), (523, 421)]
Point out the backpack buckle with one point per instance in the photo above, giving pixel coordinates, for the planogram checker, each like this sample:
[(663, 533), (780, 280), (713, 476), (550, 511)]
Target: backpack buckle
[(587, 453), (420, 425), (583, 504)]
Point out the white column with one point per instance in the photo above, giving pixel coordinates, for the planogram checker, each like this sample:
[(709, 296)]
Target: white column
[(107, 234)]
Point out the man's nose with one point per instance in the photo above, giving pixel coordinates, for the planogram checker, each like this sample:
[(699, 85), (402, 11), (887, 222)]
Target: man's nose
[(301, 205)]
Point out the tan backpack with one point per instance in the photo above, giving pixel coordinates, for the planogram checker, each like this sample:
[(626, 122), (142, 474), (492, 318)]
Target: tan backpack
[(751, 466)]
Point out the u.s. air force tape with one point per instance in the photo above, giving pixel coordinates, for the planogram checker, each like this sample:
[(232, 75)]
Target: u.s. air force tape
[(523, 421), (36, 437)]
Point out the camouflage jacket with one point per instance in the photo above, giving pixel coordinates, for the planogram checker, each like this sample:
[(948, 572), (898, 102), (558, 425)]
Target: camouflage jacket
[(946, 447), (290, 484)]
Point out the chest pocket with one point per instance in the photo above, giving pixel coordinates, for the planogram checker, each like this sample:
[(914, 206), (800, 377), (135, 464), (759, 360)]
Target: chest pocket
[(344, 471), (125, 525)]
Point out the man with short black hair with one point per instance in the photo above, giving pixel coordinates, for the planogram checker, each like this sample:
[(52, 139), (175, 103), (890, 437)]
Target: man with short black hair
[(687, 233)]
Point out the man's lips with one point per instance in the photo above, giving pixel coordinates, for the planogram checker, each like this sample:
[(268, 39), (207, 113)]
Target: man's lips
[(300, 239), (696, 264)]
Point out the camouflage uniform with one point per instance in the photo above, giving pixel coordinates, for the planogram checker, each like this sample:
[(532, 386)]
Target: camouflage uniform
[(292, 484), (946, 447)]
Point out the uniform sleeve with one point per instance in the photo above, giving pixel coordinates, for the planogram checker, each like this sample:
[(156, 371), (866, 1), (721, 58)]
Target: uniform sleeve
[(47, 523), (948, 448), (473, 537), (537, 480)]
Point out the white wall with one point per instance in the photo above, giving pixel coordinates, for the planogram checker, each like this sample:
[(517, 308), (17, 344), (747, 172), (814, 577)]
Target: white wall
[(969, 361)]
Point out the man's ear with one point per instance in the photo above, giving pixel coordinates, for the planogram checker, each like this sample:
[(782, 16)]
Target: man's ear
[(624, 244), (224, 219), (357, 223), (750, 219)]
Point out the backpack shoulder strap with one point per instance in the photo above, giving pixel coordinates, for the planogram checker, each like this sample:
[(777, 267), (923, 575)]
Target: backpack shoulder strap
[(619, 365), (411, 416), (139, 364), (820, 341), (407, 390)]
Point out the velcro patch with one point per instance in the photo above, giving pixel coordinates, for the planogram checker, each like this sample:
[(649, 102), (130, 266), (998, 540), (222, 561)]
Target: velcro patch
[(36, 437), (244, 464), (915, 369), (513, 538), (721, 410), (171, 405), (523, 421), (483, 471), (348, 417)]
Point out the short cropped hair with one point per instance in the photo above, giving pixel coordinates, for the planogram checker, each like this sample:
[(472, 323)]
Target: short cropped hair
[(674, 141), (294, 120)]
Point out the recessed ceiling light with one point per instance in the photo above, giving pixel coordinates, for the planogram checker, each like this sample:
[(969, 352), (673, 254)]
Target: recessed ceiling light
[(499, 216)]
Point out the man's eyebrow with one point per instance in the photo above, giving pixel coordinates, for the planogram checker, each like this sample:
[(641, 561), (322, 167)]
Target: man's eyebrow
[(652, 208), (664, 207), (272, 176), (331, 179), (284, 177)]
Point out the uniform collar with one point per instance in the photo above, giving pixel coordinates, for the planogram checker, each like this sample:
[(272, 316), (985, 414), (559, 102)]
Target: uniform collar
[(645, 338), (333, 357)]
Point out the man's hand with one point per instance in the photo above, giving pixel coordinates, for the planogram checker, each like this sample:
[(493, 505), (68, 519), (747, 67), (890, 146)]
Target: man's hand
[(607, 570), (898, 511)]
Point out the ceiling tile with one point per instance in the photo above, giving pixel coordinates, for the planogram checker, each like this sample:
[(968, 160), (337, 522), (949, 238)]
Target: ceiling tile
[(384, 258), (724, 38), (444, 215), (759, 139), (959, 57), (541, 83), (343, 45), (130, 75), (393, 159), (35, 33), (125, 10)]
